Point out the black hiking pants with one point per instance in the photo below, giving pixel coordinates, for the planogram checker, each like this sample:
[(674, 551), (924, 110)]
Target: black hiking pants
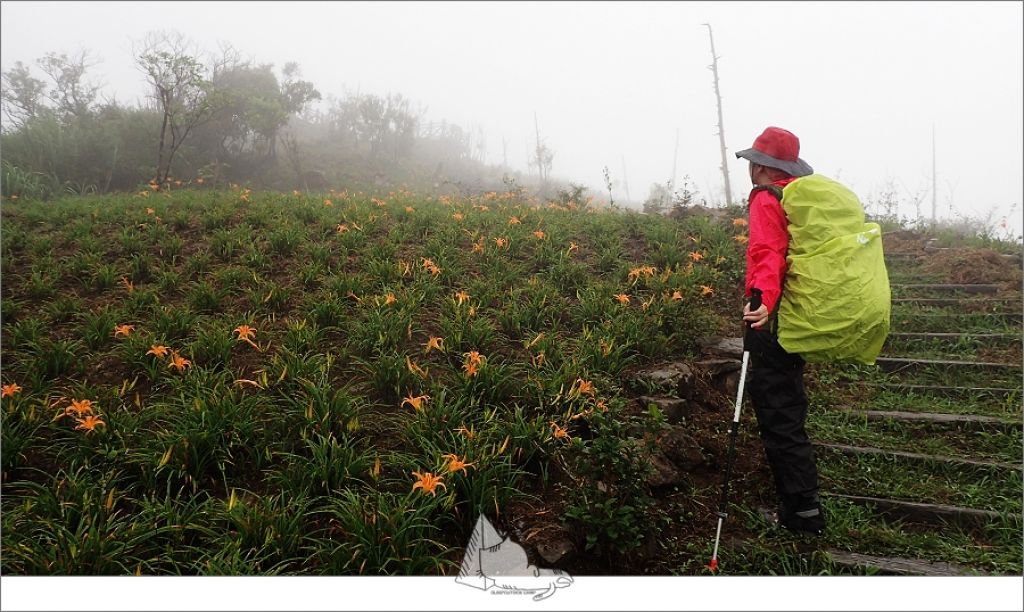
[(776, 387)]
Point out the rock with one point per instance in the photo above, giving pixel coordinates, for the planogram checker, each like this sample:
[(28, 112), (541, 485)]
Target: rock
[(665, 473), (672, 377), (717, 367), (679, 447), (675, 410), (556, 550), (723, 374), (722, 347)]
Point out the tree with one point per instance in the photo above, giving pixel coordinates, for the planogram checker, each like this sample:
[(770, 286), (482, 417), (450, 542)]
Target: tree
[(721, 127), (542, 158), (181, 90), (658, 200), (72, 97), (22, 96)]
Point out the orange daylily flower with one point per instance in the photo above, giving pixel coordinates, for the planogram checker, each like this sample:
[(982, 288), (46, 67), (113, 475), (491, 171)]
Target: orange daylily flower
[(636, 273), (742, 239), (127, 284), (342, 228), (461, 296), (696, 255), (178, 362), (478, 246), (246, 334), (457, 216), (390, 298), (455, 463), (572, 247), (428, 482), (90, 423), (429, 265), (501, 243), (645, 305), (558, 431), (10, 390), (474, 357), (327, 202), (740, 222), (150, 211), (513, 220), (409, 209), (123, 330), (159, 350), (469, 433), (470, 368), (622, 298), (415, 402), (585, 387), (539, 234), (677, 295), (79, 408), (705, 290), (434, 343)]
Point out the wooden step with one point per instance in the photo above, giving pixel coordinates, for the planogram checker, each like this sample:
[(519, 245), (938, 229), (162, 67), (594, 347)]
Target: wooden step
[(952, 336), (919, 512), (949, 287), (988, 322), (953, 301), (895, 364), (868, 450), (944, 391), (942, 418), (897, 566)]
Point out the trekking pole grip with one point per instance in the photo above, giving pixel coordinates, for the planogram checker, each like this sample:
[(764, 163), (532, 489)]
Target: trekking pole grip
[(755, 301)]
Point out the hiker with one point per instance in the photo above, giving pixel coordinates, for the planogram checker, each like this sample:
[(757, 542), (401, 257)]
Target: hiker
[(825, 297)]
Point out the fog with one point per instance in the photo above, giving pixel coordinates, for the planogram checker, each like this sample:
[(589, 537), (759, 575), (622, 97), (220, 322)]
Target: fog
[(863, 85)]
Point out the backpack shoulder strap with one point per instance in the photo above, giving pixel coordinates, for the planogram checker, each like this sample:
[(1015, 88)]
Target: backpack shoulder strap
[(775, 190)]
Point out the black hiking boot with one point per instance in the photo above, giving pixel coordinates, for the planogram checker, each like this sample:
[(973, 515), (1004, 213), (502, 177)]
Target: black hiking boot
[(802, 513)]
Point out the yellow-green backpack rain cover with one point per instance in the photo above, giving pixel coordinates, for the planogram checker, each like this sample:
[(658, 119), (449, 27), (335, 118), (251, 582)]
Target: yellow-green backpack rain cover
[(835, 303)]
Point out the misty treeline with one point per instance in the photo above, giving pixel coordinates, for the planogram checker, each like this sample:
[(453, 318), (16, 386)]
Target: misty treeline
[(223, 119)]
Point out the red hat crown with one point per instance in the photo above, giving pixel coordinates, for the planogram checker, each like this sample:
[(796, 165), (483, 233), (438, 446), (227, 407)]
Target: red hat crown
[(778, 143)]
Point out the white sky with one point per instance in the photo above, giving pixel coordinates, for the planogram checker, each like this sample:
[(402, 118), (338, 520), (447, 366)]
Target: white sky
[(860, 83)]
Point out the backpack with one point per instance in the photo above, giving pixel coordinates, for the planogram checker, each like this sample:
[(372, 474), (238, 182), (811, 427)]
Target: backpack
[(836, 302)]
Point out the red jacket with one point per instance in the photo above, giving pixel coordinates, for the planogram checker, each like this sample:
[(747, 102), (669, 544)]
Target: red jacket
[(767, 244)]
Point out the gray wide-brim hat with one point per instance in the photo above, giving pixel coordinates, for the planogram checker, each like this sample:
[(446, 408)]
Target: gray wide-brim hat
[(777, 148)]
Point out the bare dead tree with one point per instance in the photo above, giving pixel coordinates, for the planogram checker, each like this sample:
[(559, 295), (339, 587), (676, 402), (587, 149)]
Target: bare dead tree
[(543, 156), (721, 128)]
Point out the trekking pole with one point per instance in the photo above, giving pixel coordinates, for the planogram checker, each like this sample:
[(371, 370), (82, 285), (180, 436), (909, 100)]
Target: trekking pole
[(755, 303)]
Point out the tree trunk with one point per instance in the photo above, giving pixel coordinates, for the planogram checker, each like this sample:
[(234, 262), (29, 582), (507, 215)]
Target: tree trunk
[(721, 127)]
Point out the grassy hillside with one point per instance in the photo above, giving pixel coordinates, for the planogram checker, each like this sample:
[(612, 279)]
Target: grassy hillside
[(392, 341)]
